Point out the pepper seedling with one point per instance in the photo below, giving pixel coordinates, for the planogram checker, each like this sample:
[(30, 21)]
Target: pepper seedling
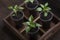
[(44, 8), (30, 24)]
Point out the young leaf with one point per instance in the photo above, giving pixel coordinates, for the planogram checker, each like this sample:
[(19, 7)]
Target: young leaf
[(13, 14), (31, 18), (49, 8), (15, 7), (42, 5), (10, 7), (15, 10), (21, 8), (46, 4), (39, 9), (32, 24), (26, 1), (27, 23), (31, 1), (27, 29), (38, 25), (45, 14)]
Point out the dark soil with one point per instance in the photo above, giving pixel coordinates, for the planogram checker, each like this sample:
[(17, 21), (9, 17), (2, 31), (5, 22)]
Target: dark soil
[(47, 17), (32, 5), (19, 15)]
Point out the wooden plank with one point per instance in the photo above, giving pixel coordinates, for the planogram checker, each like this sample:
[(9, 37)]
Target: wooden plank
[(50, 30), (14, 30)]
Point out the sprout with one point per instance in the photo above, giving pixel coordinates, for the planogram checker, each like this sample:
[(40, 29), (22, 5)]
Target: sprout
[(44, 8), (15, 9), (29, 1), (30, 24)]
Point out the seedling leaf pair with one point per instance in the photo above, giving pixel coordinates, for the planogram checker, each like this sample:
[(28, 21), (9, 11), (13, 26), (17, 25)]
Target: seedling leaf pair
[(15, 9), (44, 8), (29, 1), (30, 24)]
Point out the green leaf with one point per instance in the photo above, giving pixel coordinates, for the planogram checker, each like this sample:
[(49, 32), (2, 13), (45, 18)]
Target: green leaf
[(31, 18), (27, 29), (46, 4), (45, 14), (15, 10), (15, 6), (32, 24), (39, 9), (42, 5), (10, 7), (13, 15), (49, 8), (38, 25), (26, 1), (31, 1), (21, 8), (27, 23)]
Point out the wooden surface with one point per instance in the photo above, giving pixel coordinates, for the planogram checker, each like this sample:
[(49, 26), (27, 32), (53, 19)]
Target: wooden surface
[(4, 7)]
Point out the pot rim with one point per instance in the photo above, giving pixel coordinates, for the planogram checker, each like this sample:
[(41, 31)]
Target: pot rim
[(48, 19), (33, 32), (19, 18), (32, 8)]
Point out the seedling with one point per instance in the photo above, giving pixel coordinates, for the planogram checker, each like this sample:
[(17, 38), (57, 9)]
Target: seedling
[(15, 9), (29, 1), (30, 24), (44, 8)]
